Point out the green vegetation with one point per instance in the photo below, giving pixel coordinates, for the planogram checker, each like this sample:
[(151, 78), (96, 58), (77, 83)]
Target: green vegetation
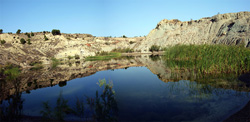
[(124, 50), (103, 56), (22, 41), (55, 62), (70, 57), (77, 56), (27, 34), (37, 65), (154, 48), (45, 38), (18, 31), (131, 42), (1, 31), (101, 108), (32, 34), (56, 32), (10, 71), (59, 112), (29, 42), (124, 36), (209, 59), (3, 41)]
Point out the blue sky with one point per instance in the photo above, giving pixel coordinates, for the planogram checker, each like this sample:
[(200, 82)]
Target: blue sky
[(107, 17)]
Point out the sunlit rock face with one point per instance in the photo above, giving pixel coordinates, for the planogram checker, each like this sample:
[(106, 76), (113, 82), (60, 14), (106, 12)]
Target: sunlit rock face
[(58, 46), (229, 28)]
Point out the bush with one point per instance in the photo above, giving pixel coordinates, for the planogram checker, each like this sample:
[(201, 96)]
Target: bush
[(32, 34), (154, 48), (3, 41), (56, 32), (131, 42), (124, 50), (18, 31), (29, 41), (27, 34), (1, 31), (124, 36), (77, 56), (22, 41), (45, 38)]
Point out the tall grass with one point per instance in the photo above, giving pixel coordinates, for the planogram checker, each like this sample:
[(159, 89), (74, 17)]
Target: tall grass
[(209, 58), (108, 56)]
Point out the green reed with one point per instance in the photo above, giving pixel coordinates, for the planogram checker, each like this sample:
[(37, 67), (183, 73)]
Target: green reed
[(209, 58)]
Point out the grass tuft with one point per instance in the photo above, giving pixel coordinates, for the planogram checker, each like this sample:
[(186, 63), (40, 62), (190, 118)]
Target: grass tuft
[(209, 58)]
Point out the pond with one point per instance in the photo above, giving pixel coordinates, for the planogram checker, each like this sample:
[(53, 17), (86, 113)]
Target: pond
[(134, 89)]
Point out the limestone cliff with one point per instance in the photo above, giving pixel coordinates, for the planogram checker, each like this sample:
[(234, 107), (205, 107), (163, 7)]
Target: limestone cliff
[(230, 29)]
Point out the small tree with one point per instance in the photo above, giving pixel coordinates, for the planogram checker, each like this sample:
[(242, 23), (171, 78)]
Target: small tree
[(3, 42), (124, 36), (1, 31), (22, 41), (56, 32), (18, 31), (29, 41), (32, 34)]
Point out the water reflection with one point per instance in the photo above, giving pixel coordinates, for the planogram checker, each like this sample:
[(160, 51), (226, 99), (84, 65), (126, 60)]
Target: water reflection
[(152, 92), (11, 108), (101, 108)]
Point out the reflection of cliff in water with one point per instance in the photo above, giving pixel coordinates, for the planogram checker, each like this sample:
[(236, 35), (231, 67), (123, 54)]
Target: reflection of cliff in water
[(30, 80)]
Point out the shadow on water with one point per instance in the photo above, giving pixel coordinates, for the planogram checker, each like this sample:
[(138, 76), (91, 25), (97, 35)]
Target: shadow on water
[(101, 108)]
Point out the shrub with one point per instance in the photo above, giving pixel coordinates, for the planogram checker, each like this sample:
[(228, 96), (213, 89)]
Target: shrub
[(28, 35), (45, 38), (154, 48), (56, 32), (22, 41), (131, 42), (1, 31), (70, 57), (29, 41), (32, 34), (77, 56), (124, 36), (124, 50), (18, 31), (3, 41)]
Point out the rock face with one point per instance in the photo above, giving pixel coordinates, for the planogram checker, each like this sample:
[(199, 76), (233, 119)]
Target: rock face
[(230, 29)]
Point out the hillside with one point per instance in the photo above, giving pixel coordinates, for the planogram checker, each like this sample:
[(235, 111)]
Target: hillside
[(58, 46), (229, 28)]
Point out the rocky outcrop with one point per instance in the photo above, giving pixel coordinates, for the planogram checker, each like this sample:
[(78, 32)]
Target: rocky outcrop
[(230, 29)]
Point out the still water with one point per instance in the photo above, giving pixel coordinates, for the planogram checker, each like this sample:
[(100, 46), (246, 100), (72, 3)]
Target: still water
[(140, 95)]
